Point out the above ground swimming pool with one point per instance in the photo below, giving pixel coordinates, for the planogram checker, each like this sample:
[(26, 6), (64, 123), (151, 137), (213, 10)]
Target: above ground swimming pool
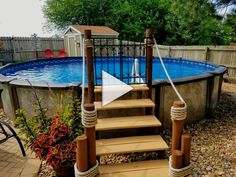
[(59, 80), (68, 70)]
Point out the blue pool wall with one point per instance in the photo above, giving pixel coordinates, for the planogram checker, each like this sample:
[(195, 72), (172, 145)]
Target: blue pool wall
[(201, 93), (196, 68)]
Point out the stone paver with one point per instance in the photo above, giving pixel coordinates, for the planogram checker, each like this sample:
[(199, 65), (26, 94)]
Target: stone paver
[(12, 162)]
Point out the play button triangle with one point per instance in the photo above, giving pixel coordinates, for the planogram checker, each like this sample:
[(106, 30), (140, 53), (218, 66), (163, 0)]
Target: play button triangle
[(112, 88)]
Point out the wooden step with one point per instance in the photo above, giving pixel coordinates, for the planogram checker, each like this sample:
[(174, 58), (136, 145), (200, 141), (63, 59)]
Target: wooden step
[(125, 104), (98, 89), (130, 144), (151, 168), (127, 122)]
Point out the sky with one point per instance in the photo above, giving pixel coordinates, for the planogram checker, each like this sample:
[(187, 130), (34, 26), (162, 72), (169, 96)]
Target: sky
[(22, 18)]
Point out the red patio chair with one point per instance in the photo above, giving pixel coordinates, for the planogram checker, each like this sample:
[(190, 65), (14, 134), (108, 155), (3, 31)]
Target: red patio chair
[(48, 53), (62, 53)]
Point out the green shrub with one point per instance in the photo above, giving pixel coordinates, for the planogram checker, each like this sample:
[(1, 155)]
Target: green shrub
[(52, 138)]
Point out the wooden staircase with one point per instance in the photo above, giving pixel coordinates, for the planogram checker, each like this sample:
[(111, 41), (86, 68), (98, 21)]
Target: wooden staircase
[(128, 125)]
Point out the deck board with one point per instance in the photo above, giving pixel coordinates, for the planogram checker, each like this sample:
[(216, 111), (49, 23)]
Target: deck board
[(130, 144), (151, 168), (98, 89), (125, 104), (127, 122)]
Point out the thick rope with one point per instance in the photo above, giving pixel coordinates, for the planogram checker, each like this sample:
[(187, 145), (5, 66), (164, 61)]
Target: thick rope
[(185, 171), (89, 118), (167, 74), (88, 43), (178, 113), (92, 172)]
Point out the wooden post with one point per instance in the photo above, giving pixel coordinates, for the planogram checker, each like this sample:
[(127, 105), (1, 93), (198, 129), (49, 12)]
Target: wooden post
[(206, 53), (185, 148), (90, 133), (177, 129), (149, 55), (82, 153), (169, 55), (37, 54), (89, 56), (177, 159), (13, 48)]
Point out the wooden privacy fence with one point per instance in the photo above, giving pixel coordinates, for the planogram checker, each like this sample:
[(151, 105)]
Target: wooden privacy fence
[(25, 48), (221, 55)]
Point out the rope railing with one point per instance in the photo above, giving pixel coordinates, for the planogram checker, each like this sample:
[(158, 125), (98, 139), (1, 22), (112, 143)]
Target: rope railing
[(167, 74), (179, 162)]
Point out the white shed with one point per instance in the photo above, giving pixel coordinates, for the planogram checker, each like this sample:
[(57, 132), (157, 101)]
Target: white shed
[(74, 35)]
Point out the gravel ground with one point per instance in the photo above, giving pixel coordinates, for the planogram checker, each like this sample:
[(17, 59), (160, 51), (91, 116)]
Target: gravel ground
[(213, 143), (213, 150), (214, 140)]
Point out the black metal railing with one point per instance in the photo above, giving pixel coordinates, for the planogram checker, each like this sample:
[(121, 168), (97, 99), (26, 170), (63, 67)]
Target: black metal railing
[(118, 58)]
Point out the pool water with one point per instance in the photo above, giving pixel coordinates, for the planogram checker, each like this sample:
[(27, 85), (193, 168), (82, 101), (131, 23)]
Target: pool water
[(69, 70)]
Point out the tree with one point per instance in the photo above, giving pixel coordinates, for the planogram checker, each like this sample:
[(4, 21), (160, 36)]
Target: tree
[(195, 23), (63, 13), (131, 17), (231, 22), (174, 21)]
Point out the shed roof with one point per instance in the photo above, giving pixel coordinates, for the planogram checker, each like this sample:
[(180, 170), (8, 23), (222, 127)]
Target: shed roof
[(95, 29)]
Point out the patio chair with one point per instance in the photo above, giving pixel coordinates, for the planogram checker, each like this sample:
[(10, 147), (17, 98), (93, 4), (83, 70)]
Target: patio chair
[(9, 135), (48, 53), (62, 53)]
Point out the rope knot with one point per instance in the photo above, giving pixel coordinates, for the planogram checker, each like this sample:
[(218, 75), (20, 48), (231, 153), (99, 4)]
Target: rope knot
[(178, 113), (88, 43), (149, 42), (185, 171), (89, 118), (92, 172)]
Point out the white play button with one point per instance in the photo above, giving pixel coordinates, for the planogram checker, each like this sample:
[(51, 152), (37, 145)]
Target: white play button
[(112, 88)]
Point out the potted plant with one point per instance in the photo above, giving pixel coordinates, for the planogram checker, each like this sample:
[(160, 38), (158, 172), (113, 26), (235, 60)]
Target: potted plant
[(53, 138)]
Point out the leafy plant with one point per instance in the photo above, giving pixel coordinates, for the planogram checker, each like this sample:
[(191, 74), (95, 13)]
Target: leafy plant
[(56, 146), (52, 138)]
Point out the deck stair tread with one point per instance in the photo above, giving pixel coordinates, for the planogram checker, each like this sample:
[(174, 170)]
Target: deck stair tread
[(98, 89), (130, 144), (125, 104), (150, 168), (127, 122)]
